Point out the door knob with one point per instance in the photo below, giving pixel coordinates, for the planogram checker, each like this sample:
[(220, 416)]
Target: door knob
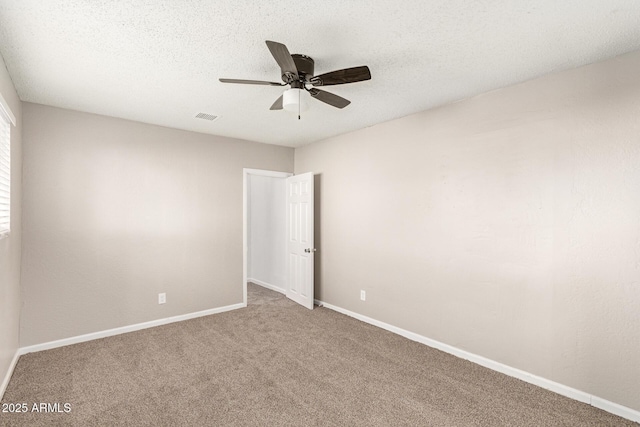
[(308, 250)]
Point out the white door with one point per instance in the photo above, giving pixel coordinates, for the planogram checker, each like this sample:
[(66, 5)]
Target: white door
[(300, 250)]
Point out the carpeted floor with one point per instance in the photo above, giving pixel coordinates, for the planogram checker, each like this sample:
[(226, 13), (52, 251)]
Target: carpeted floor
[(275, 363)]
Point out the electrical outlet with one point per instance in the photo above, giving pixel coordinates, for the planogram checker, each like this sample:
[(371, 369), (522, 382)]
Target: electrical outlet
[(162, 298), (363, 295)]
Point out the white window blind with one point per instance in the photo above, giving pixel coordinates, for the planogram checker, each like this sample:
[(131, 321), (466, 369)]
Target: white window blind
[(5, 172)]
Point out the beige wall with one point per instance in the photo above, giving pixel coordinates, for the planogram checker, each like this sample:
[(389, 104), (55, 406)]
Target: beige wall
[(117, 211), (10, 246), (507, 225)]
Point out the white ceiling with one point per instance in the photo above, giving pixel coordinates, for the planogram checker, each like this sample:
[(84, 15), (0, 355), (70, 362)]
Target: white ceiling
[(159, 61)]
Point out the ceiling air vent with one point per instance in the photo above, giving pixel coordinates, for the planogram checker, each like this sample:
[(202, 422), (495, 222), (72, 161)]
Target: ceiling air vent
[(206, 116)]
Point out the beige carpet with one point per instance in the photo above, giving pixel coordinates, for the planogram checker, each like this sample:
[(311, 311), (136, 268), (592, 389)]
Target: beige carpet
[(276, 363)]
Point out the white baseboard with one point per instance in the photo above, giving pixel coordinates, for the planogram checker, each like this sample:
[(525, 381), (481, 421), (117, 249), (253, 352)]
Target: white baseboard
[(7, 377), (124, 329), (581, 396), (614, 408), (268, 285)]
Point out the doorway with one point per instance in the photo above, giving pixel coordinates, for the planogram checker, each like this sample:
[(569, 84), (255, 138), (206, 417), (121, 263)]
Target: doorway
[(264, 229)]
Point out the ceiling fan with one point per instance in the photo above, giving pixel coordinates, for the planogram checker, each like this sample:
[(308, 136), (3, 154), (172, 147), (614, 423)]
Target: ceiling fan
[(297, 72)]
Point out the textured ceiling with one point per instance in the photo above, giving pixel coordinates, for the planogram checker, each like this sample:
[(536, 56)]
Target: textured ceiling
[(159, 61)]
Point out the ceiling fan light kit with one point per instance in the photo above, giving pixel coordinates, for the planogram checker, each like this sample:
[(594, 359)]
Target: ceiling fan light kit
[(295, 100), (297, 73)]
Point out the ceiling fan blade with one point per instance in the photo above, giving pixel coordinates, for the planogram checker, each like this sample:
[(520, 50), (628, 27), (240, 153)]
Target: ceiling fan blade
[(329, 98), (251, 82), (277, 105), (283, 57), (340, 77)]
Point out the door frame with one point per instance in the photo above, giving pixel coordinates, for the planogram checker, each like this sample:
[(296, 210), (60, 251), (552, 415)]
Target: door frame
[(245, 217)]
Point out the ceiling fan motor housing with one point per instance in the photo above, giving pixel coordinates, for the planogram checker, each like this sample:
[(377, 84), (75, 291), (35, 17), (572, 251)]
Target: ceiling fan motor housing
[(304, 64)]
